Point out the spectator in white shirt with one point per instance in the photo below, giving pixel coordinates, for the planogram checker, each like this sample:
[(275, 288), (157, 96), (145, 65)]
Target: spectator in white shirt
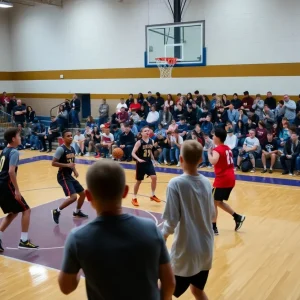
[(152, 118), (176, 142), (78, 142), (232, 142), (120, 105)]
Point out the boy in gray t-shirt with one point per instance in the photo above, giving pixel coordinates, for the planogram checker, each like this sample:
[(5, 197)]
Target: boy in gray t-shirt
[(188, 214), (122, 256)]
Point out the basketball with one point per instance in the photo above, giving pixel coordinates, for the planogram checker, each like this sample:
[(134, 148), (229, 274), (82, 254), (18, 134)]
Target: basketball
[(117, 153)]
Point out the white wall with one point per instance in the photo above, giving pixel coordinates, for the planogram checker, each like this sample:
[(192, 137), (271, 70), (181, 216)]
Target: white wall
[(5, 45)]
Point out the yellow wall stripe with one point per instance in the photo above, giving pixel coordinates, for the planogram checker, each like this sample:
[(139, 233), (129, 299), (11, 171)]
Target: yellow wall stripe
[(247, 70)]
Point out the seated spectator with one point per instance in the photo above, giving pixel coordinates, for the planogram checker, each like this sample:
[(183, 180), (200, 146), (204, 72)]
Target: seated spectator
[(213, 101), (232, 142), (78, 142), (173, 126), (268, 117), (247, 101), (225, 101), (205, 102), (233, 114), (270, 101), (37, 129), (253, 116), (196, 134), (117, 134), (53, 133), (120, 105), (134, 117), (94, 139), (165, 117), (176, 142), (208, 145), (122, 116), (135, 105), (251, 149), (63, 117), (290, 152), (297, 123), (228, 125), (261, 132), (30, 114), (90, 122), (269, 151), (283, 133), (178, 112), (298, 105), (243, 116), (160, 131), (258, 106), (207, 126), (143, 113), (150, 100), (203, 115), (23, 137), (103, 113), (240, 132), (169, 102), (278, 116), (250, 125), (159, 102), (152, 118), (191, 117), (237, 103), (183, 128), (134, 128), (221, 117), (127, 142), (288, 110), (129, 101), (140, 99), (197, 110), (166, 147), (107, 140)]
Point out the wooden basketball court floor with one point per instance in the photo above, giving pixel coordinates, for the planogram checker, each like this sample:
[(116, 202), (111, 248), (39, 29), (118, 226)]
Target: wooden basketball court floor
[(259, 262)]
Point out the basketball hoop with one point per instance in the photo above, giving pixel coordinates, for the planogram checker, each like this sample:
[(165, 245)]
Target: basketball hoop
[(165, 65)]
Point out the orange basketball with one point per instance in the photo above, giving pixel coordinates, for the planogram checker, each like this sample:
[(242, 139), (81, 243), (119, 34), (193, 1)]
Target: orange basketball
[(117, 153)]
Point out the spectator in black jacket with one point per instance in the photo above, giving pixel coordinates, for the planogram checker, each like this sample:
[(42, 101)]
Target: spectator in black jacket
[(19, 113), (75, 110), (129, 100), (297, 122), (221, 117), (53, 132), (191, 117), (237, 103), (270, 100), (159, 102), (12, 103), (127, 142), (30, 114), (290, 152)]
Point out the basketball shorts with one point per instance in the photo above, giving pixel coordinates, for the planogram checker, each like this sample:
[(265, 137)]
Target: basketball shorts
[(221, 194), (182, 283), (8, 202), (70, 185), (143, 169)]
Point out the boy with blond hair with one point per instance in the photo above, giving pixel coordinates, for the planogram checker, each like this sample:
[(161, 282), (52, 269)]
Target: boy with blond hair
[(188, 214)]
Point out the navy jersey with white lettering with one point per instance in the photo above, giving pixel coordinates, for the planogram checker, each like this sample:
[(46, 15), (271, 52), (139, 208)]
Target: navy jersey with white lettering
[(145, 150), (65, 155), (9, 156)]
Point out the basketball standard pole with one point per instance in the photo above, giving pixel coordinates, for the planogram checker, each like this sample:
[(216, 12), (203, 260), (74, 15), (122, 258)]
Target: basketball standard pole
[(177, 33)]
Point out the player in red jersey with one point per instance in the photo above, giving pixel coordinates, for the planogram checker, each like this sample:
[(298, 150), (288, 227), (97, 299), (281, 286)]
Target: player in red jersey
[(222, 159)]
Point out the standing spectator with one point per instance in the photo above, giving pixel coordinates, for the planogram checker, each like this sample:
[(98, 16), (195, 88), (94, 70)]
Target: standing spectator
[(288, 110), (30, 114), (261, 133), (269, 151), (233, 114), (129, 100), (118, 264), (134, 105), (103, 112), (19, 113), (78, 142), (12, 103), (53, 132), (127, 142), (62, 117), (189, 212), (297, 123), (291, 152), (237, 103), (75, 110), (247, 101), (258, 106), (122, 116), (3, 99), (120, 105), (250, 148), (298, 104), (270, 101), (165, 117)]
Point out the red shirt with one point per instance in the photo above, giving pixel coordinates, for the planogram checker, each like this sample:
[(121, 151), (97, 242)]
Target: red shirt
[(135, 106), (224, 168)]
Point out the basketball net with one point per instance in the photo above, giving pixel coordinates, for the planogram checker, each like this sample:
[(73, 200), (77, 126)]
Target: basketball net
[(165, 65)]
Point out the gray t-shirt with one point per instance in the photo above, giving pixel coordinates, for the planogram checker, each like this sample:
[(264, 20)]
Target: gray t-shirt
[(120, 257), (14, 157), (59, 152), (188, 214)]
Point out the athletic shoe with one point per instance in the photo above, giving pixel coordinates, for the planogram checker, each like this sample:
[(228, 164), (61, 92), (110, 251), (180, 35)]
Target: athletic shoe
[(264, 171), (135, 202), (253, 170), (216, 231), (154, 198), (98, 155), (55, 215), (80, 214), (239, 220), (27, 245), (1, 247), (270, 171), (285, 173)]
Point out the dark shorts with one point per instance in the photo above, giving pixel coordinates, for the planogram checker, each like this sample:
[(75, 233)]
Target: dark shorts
[(221, 194), (143, 169), (8, 202), (70, 185), (183, 283)]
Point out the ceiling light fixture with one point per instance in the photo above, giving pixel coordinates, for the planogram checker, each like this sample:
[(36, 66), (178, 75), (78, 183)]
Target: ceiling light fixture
[(5, 4)]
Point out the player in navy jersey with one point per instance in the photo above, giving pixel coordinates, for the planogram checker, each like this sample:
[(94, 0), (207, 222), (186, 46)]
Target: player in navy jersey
[(142, 153), (64, 159), (11, 200)]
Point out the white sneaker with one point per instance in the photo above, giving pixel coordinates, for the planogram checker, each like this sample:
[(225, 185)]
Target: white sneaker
[(291, 174), (88, 154), (253, 170), (178, 165), (210, 167), (165, 162)]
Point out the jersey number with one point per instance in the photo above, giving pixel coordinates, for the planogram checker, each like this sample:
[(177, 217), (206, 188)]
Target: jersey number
[(147, 153), (229, 157), (2, 161)]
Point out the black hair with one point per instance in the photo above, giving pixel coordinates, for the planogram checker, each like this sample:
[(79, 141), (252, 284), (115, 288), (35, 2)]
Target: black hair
[(65, 131), (10, 133), (221, 134)]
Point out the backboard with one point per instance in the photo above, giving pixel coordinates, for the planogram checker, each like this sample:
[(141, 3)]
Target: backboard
[(185, 41)]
